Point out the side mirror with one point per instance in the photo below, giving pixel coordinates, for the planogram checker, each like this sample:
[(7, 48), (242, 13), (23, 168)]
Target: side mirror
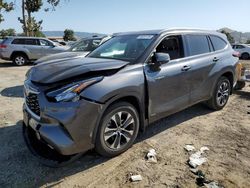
[(162, 58)]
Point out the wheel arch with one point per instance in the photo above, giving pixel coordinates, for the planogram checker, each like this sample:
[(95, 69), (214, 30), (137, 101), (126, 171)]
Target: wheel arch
[(18, 52), (133, 100)]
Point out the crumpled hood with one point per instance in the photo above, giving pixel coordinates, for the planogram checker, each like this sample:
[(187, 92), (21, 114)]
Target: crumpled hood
[(57, 70), (61, 56)]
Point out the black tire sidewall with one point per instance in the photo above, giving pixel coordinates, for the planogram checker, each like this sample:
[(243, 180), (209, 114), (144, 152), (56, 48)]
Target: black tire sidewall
[(245, 56), (101, 146), (20, 55)]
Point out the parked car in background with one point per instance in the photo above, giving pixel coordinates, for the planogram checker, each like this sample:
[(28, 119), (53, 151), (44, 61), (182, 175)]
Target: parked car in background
[(79, 48), (102, 101), (22, 50), (243, 49)]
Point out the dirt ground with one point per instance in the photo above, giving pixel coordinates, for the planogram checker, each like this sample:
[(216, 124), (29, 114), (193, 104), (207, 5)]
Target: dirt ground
[(226, 133)]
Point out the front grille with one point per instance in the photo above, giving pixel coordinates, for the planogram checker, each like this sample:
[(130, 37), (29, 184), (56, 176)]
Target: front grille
[(33, 104)]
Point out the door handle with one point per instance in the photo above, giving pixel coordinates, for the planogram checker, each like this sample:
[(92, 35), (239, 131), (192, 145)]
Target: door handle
[(216, 59), (185, 68)]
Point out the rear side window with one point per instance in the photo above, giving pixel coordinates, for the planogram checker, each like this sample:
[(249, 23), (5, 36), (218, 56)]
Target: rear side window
[(197, 44), (18, 41), (25, 41), (218, 43)]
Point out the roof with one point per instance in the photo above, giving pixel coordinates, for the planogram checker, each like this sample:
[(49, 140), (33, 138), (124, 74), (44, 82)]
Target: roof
[(171, 30)]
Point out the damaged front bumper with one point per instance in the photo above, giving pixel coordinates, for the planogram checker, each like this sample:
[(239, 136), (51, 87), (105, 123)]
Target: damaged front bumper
[(64, 129)]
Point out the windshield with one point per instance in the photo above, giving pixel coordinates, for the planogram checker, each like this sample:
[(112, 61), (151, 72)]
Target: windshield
[(85, 45), (127, 47)]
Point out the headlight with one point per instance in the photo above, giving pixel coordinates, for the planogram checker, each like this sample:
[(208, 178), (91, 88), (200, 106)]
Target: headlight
[(71, 92)]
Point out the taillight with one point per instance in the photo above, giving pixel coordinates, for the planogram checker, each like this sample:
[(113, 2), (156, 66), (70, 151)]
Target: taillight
[(3, 46), (236, 54)]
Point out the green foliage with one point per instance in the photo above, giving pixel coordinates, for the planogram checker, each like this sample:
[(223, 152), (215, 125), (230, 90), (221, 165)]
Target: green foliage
[(7, 32), (5, 7), (33, 5), (69, 35), (248, 41), (230, 38), (30, 26)]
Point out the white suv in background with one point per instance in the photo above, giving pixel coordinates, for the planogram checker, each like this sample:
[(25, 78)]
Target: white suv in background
[(21, 50), (243, 49)]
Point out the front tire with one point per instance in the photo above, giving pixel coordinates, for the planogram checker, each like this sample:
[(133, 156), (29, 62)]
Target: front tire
[(220, 95), (20, 59), (118, 129)]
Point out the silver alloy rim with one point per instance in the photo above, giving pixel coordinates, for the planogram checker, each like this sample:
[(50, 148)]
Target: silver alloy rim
[(19, 60), (223, 94), (119, 130)]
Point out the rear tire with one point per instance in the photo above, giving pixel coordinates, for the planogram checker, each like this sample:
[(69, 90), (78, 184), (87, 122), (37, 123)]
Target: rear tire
[(245, 56), (118, 129), (221, 94), (20, 59)]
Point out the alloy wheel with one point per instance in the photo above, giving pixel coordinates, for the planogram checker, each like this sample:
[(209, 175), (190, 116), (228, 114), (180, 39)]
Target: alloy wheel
[(223, 93), (119, 130), (19, 60)]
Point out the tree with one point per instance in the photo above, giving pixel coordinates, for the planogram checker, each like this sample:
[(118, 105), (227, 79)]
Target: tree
[(69, 35), (230, 38), (7, 32), (5, 7), (248, 41), (30, 26)]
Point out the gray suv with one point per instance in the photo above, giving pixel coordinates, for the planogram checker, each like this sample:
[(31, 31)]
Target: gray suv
[(101, 101), (21, 50)]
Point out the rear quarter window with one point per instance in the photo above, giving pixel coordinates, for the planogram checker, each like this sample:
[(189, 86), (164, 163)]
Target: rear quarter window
[(197, 44), (25, 41), (218, 43)]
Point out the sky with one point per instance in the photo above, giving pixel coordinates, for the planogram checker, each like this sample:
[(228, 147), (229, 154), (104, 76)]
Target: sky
[(109, 16)]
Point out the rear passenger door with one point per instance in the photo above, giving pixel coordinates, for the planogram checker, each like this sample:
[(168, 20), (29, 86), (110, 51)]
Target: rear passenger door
[(202, 59), (34, 51)]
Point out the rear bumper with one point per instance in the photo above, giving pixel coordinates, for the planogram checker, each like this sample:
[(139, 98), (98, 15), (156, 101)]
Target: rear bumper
[(65, 127)]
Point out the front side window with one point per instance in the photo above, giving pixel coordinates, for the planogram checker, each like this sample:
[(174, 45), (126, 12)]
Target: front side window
[(218, 43), (197, 44), (171, 45), (45, 42), (125, 47)]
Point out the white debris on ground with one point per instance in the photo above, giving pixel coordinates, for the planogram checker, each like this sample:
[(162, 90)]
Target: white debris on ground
[(151, 156), (135, 178), (189, 147), (203, 149), (212, 184), (196, 159)]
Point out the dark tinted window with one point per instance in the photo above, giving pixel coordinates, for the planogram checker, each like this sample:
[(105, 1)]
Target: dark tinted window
[(171, 45), (25, 41), (239, 47), (218, 43), (18, 41), (197, 44)]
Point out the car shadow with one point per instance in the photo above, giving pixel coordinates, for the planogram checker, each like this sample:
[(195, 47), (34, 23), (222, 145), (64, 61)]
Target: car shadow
[(15, 91), (10, 64), (19, 167), (242, 94)]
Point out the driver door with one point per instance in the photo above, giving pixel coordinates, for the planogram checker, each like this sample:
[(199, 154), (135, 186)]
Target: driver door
[(168, 86)]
